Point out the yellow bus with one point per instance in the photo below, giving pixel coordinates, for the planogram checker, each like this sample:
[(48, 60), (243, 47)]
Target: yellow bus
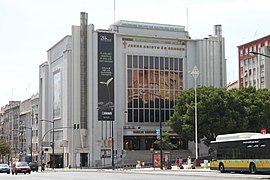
[(241, 152)]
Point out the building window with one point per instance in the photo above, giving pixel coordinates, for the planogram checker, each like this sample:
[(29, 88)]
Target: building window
[(253, 61), (246, 51), (241, 63), (262, 80), (153, 85)]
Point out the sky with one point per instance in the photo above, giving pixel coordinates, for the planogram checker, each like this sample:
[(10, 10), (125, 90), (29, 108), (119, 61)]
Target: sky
[(28, 28)]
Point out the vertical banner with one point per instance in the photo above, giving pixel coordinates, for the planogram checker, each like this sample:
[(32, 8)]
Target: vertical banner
[(105, 76)]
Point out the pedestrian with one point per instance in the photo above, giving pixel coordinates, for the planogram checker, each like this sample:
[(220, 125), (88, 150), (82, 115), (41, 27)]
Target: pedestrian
[(138, 165), (180, 161), (142, 164), (189, 162), (177, 162)]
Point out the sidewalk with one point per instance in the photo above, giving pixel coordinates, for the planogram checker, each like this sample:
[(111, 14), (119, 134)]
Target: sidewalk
[(199, 172), (143, 170), (174, 168)]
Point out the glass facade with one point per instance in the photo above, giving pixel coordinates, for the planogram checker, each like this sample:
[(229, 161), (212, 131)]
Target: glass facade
[(154, 83)]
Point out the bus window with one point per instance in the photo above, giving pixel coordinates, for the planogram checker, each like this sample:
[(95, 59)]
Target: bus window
[(262, 145)]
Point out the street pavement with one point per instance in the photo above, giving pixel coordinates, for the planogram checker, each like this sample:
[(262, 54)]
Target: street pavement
[(134, 174), (175, 171)]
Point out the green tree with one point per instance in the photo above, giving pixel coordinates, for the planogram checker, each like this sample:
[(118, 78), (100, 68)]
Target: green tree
[(4, 148), (220, 112), (166, 143)]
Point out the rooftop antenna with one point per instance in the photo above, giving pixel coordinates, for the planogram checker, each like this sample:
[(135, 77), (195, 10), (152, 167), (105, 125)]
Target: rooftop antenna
[(84, 5), (255, 34), (114, 11), (187, 18)]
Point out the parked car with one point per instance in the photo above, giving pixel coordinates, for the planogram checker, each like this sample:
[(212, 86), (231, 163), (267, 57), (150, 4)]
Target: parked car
[(20, 167), (4, 168), (34, 166)]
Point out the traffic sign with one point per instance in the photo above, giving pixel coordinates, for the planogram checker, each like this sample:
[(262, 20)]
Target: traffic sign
[(41, 158), (158, 132)]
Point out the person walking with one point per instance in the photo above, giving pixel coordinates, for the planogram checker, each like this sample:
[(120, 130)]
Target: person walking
[(177, 162), (189, 162)]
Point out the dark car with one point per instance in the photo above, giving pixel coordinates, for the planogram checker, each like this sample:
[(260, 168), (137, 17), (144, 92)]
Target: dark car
[(4, 168), (20, 167), (34, 166)]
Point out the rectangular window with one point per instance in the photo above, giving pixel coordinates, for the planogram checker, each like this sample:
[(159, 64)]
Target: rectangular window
[(162, 64), (141, 78), (180, 64), (166, 63), (130, 115), (135, 61), (156, 76), (141, 62), (176, 62), (146, 115), (171, 63), (156, 63), (141, 115), (136, 115), (129, 61), (151, 62), (152, 115), (146, 62), (130, 79)]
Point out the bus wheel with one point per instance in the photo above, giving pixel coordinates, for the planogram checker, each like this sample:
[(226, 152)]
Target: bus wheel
[(252, 168), (221, 168)]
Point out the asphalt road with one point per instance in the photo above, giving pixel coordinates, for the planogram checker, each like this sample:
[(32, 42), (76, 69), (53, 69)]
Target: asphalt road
[(130, 175)]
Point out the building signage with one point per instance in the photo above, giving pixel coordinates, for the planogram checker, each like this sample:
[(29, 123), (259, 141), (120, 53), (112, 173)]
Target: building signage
[(105, 76)]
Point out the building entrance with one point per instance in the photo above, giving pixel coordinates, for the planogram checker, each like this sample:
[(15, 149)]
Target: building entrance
[(84, 159)]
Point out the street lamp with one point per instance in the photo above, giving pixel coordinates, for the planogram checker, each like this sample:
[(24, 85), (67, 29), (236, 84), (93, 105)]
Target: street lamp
[(160, 126), (52, 161), (195, 73)]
